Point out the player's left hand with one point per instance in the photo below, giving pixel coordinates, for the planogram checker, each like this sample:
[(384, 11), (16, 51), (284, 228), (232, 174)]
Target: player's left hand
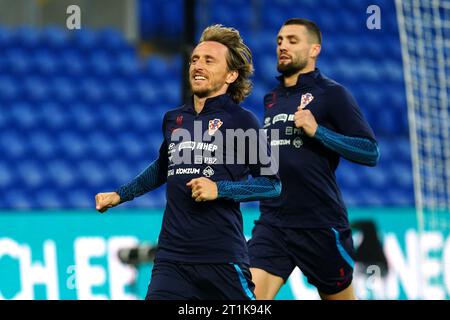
[(203, 189), (304, 119)]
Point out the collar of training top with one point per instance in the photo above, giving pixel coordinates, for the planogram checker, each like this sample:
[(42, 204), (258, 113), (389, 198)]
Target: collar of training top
[(303, 78), (212, 103)]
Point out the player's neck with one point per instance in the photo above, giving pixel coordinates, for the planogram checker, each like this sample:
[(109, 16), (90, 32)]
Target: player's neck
[(291, 81), (199, 102)]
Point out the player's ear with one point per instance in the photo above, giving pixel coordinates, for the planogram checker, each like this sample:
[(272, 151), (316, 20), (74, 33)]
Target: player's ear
[(315, 50), (232, 76)]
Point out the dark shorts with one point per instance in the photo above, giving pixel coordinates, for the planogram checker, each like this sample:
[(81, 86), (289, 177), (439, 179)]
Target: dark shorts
[(181, 281), (325, 256)]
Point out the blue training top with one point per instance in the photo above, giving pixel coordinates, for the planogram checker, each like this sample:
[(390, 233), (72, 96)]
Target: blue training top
[(310, 197), (210, 231)]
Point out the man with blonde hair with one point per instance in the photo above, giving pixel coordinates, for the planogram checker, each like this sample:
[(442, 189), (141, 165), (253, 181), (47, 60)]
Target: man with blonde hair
[(202, 251)]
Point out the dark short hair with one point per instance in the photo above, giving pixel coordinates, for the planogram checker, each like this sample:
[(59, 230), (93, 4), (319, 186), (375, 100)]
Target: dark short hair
[(313, 29)]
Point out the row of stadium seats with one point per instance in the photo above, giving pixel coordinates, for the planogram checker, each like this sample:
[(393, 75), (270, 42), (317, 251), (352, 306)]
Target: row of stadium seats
[(103, 171), (142, 115), (100, 64), (56, 39), (39, 90), (97, 160)]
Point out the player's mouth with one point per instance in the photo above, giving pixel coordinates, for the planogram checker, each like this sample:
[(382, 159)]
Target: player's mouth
[(284, 58), (198, 78)]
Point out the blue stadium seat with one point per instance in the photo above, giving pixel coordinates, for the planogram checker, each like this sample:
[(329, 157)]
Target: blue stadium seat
[(401, 175), (112, 40), (81, 198), (92, 173), (373, 48), (114, 116), (102, 146), (393, 70), (101, 64), (63, 174), (13, 145), (348, 175), (42, 145), (27, 38), (54, 38), (30, 173), (119, 91), (6, 175), (49, 198), (157, 68), (85, 40), (120, 172), (371, 198), (36, 89), (23, 115), (92, 90), (146, 92), (74, 146), (131, 144), (127, 64), (53, 117), (45, 63), (268, 69), (64, 90), (399, 197), (19, 199), (72, 63), (17, 61), (172, 93)]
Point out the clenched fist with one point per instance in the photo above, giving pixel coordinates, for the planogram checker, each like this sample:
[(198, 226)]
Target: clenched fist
[(203, 189), (106, 200), (304, 119)]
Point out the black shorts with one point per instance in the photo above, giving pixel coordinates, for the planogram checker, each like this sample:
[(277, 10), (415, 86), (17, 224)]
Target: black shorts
[(181, 281), (324, 255)]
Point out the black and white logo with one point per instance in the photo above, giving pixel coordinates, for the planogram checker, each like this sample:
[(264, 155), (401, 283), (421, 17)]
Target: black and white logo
[(208, 172), (297, 142)]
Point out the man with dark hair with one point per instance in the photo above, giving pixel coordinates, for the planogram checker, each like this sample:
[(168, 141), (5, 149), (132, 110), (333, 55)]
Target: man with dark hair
[(202, 252), (319, 122)]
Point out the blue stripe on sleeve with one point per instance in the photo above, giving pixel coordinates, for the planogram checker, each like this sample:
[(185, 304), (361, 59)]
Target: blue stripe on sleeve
[(148, 180), (361, 150), (258, 188)]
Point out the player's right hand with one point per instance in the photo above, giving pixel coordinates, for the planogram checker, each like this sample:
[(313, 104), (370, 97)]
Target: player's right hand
[(106, 200)]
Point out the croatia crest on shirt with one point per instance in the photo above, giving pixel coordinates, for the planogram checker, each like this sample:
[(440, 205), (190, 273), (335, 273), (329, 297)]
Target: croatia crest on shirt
[(306, 99), (213, 126)]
